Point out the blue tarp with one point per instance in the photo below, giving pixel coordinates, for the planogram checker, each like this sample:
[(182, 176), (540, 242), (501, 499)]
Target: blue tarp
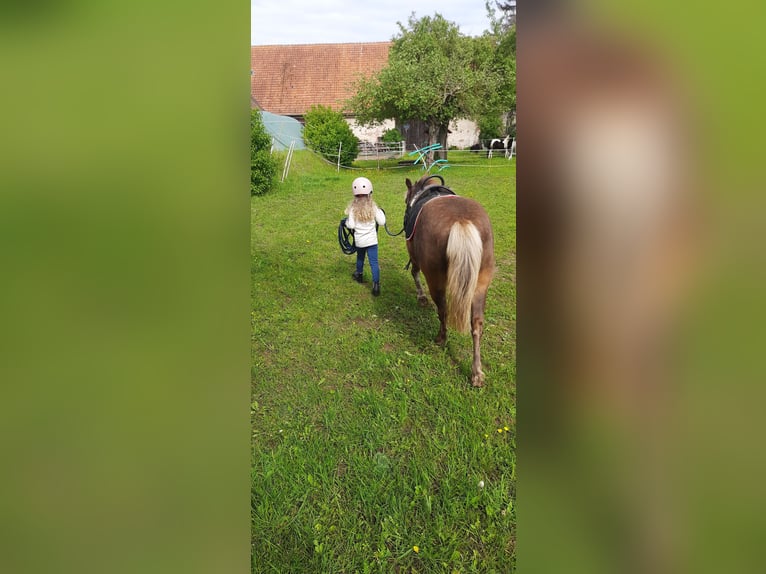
[(283, 131)]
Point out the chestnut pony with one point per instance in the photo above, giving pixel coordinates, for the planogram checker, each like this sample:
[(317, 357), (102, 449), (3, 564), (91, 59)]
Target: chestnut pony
[(449, 239)]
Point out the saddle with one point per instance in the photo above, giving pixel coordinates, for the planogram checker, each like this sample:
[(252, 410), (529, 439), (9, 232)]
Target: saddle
[(412, 212)]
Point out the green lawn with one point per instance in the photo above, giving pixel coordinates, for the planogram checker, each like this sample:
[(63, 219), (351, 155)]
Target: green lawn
[(368, 439)]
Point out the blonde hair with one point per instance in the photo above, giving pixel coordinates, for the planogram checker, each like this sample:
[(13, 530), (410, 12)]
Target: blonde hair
[(363, 207)]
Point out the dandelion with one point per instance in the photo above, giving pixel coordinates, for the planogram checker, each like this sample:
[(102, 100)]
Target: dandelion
[(486, 435), (416, 549), (499, 430), (506, 429)]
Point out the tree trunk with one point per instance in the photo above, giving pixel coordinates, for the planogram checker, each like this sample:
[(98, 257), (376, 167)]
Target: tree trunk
[(433, 137), (415, 133), (442, 133), (421, 134)]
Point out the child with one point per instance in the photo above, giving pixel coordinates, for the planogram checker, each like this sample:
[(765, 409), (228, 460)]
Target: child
[(363, 215)]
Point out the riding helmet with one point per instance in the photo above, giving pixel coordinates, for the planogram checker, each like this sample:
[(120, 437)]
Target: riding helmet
[(362, 186)]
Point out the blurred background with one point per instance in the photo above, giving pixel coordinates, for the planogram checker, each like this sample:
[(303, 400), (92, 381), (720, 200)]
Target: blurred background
[(124, 354), (640, 273)]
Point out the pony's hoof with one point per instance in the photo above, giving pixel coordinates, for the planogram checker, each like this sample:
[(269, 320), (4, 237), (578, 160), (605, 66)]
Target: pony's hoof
[(477, 380), (423, 301)]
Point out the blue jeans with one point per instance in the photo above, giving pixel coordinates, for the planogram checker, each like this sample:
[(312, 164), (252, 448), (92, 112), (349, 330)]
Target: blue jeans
[(372, 255)]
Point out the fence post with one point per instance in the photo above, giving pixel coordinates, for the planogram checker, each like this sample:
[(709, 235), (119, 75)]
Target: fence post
[(340, 146), (288, 159)]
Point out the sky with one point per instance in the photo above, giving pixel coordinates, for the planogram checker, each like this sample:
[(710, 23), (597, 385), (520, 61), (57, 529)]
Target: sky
[(335, 21)]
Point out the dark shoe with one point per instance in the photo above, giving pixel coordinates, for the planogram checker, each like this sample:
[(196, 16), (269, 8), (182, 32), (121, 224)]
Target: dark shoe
[(357, 277), (376, 289)]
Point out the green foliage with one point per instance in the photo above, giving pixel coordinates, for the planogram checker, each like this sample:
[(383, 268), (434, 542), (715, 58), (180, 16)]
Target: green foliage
[(495, 54), (428, 77), (263, 166), (436, 75), (490, 126), (502, 16), (392, 136), (325, 130)]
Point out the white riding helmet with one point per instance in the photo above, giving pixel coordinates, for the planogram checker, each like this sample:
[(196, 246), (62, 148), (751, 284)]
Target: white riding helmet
[(362, 186)]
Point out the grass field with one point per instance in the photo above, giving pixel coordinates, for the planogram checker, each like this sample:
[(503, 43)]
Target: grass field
[(369, 443)]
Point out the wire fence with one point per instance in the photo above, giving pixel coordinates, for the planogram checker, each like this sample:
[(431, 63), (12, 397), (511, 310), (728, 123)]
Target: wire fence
[(381, 150), (386, 154)]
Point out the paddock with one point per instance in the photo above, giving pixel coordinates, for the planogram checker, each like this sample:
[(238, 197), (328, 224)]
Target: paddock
[(356, 413)]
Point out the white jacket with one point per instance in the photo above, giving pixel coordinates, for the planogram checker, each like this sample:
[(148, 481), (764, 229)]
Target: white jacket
[(365, 233)]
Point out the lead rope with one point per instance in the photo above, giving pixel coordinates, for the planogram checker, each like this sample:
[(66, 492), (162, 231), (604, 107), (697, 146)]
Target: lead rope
[(385, 226)]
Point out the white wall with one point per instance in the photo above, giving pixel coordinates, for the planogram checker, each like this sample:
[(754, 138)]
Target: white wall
[(464, 133), (369, 134)]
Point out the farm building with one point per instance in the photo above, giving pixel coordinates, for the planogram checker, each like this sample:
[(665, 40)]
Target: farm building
[(289, 79)]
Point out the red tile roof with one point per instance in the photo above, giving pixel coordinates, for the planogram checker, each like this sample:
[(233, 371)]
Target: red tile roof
[(290, 79)]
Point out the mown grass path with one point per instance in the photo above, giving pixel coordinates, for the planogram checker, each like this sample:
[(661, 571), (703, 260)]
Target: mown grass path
[(369, 443)]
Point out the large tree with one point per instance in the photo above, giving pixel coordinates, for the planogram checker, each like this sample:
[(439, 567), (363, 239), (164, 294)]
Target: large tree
[(436, 75), (507, 12), (496, 53), (431, 76)]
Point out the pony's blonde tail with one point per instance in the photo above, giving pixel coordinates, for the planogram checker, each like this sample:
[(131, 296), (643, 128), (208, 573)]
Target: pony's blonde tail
[(464, 252)]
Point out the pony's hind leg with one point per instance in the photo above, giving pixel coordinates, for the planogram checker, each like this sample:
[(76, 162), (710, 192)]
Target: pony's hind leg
[(438, 290), (477, 327), (440, 298), (422, 299)]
